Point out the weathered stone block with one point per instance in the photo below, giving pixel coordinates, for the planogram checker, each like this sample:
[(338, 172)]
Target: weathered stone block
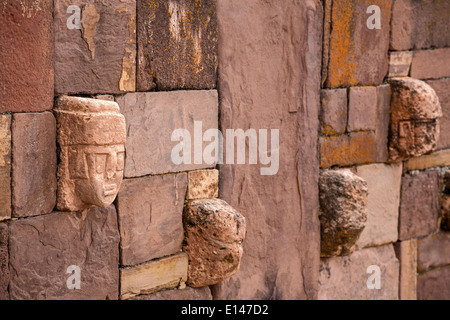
[(151, 120), (166, 273), (95, 46), (434, 285), (343, 211), (406, 252), (33, 164), (150, 213), (333, 116), (400, 63), (349, 149), (26, 56), (43, 248), (433, 251), (177, 44), (431, 64), (5, 167), (346, 278), (203, 184), (441, 87), (91, 138), (414, 122), (382, 121), (419, 207), (384, 183), (357, 54), (4, 262), (362, 109), (176, 294), (213, 242), (445, 203)]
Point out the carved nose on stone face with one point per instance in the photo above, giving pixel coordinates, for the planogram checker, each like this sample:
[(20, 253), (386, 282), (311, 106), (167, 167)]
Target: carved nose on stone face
[(111, 165)]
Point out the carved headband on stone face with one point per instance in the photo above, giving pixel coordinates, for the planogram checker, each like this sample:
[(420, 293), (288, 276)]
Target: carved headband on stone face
[(91, 137)]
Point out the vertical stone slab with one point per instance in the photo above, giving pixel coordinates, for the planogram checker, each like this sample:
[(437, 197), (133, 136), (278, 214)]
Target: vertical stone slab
[(4, 262), (275, 84), (95, 46), (407, 255), (177, 44), (33, 164), (150, 213), (43, 248), (442, 90), (26, 55), (5, 167), (362, 108), (334, 111)]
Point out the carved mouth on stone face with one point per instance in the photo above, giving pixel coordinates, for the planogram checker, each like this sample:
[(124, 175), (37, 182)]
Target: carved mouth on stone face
[(109, 189)]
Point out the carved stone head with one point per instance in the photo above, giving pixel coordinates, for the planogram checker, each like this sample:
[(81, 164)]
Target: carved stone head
[(91, 137)]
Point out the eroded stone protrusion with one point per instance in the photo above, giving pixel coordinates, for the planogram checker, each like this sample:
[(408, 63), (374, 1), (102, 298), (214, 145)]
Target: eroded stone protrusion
[(91, 137), (414, 124), (214, 236), (343, 213)]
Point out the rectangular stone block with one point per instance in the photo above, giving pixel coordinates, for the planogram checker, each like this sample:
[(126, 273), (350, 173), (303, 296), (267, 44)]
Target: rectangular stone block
[(176, 294), (436, 159), (26, 56), (434, 285), (420, 24), (152, 119), (203, 184), (384, 183), (95, 46), (362, 109), (333, 115), (4, 262), (382, 121), (400, 63), (177, 44), (348, 149), (431, 64), (150, 213), (33, 164), (358, 54), (434, 251), (407, 255), (166, 273), (5, 167), (50, 254), (419, 206), (347, 277), (442, 90)]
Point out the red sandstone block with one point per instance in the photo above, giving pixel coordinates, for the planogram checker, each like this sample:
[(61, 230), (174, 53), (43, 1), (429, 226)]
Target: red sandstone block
[(442, 88), (334, 111), (433, 251), (431, 64), (434, 285), (4, 262), (362, 109)]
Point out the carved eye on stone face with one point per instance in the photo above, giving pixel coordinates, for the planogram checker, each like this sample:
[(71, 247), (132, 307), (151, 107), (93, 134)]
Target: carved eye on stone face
[(120, 161)]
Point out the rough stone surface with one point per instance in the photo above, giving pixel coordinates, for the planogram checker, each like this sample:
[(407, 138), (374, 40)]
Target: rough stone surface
[(436, 159), (281, 259), (420, 24), (166, 273), (349, 149), (176, 294), (419, 207), (151, 120), (150, 213), (91, 138), (214, 236), (5, 167), (362, 108), (431, 64), (357, 54), (203, 184), (434, 251), (407, 255), (343, 211), (414, 121), (33, 164), (4, 262), (400, 63), (445, 203), (177, 44), (384, 183), (98, 56), (345, 278), (26, 56), (434, 285), (333, 116), (382, 121), (441, 87), (43, 248)]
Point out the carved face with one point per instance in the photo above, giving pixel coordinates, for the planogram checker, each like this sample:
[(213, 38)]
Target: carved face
[(97, 172)]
